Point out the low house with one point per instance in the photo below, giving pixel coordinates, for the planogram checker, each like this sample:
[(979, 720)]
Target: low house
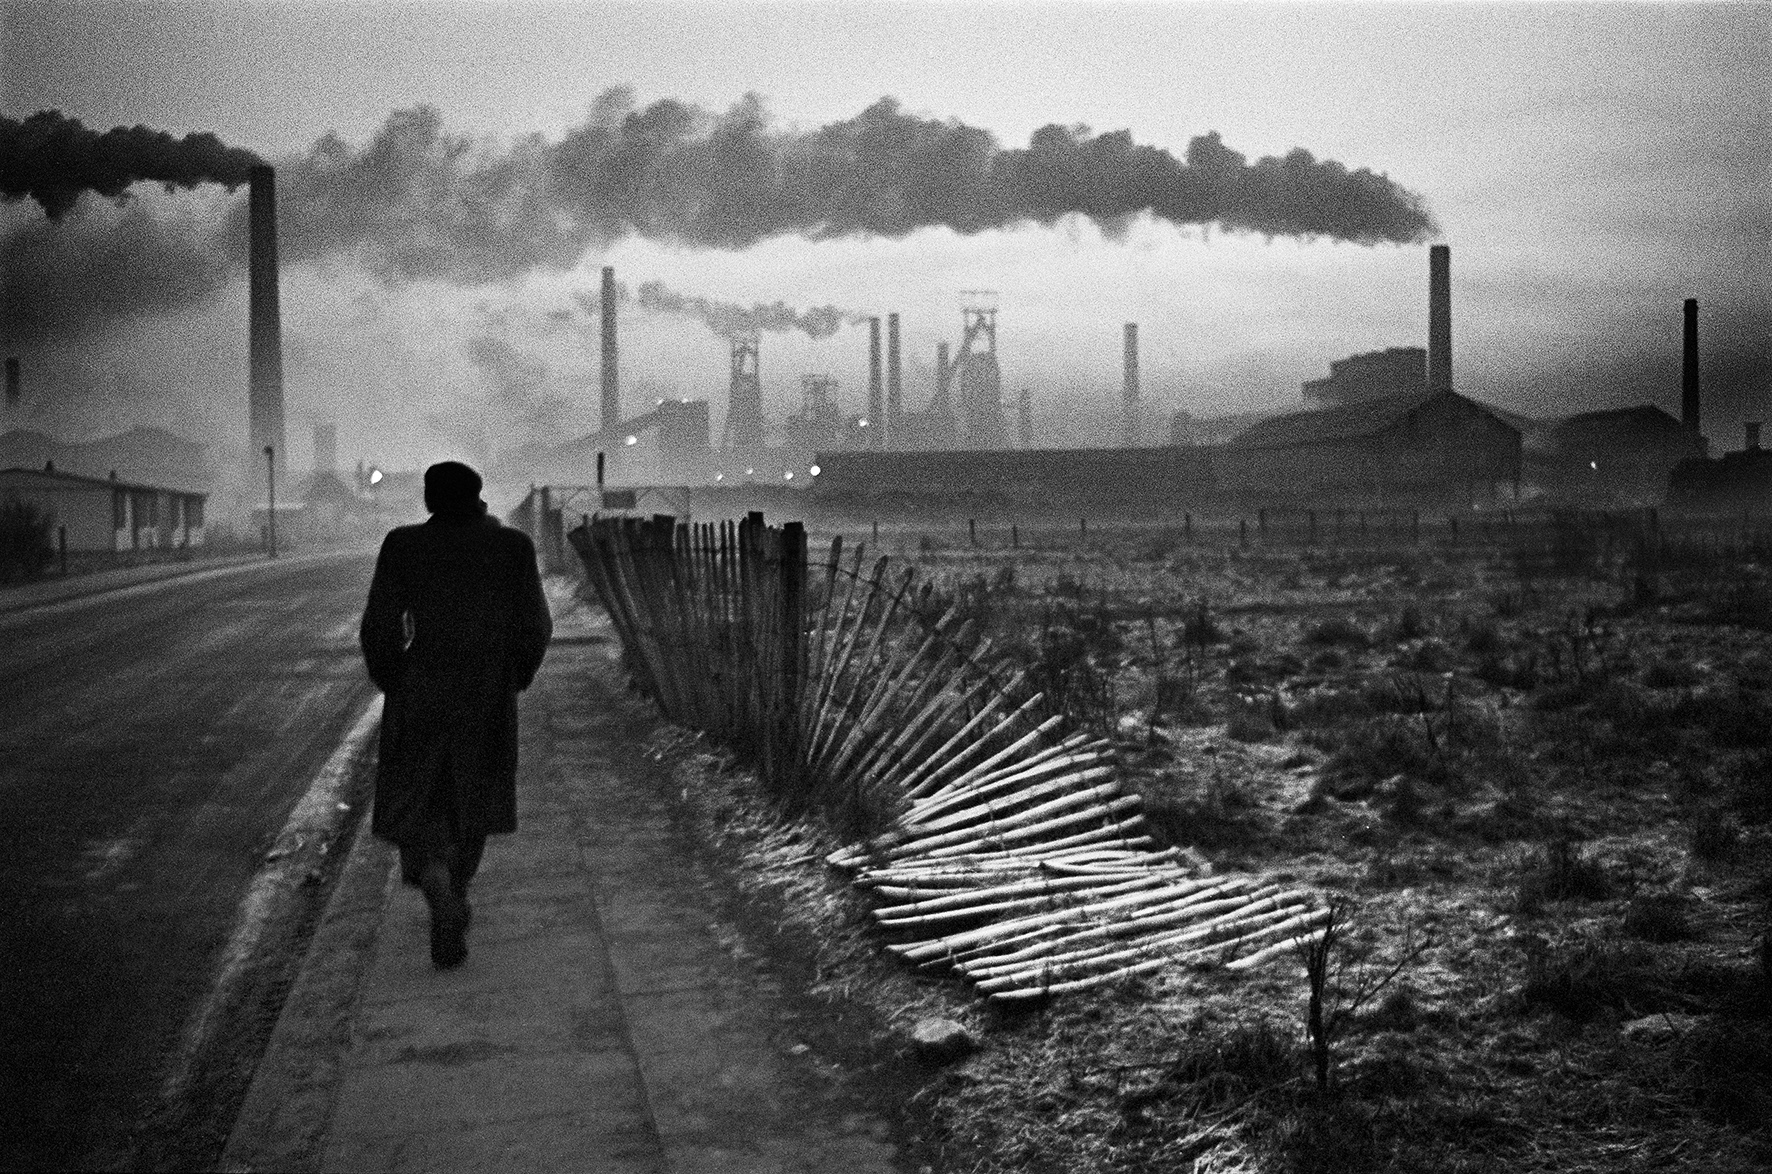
[(105, 514), (1437, 447)]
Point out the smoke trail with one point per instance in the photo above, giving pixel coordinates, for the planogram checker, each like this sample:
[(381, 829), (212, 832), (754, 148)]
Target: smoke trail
[(53, 159), (418, 202), (726, 319)]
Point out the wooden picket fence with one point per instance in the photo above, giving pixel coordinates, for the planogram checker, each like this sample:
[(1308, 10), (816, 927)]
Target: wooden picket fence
[(994, 840)]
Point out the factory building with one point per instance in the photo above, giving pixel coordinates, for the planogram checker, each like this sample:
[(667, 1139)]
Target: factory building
[(105, 514), (1127, 481), (1621, 456), (1432, 446), (1398, 370)]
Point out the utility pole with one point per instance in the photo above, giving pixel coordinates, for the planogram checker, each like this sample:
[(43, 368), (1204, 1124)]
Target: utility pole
[(271, 495)]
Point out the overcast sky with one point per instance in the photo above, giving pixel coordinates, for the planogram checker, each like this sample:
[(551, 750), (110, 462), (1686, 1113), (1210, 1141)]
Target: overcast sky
[(1590, 165)]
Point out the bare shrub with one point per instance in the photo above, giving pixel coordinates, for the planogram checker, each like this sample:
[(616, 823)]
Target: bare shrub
[(1658, 917), (1337, 632), (1409, 624), (25, 545), (1560, 872)]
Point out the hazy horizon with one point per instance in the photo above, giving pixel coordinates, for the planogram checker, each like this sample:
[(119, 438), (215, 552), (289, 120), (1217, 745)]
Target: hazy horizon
[(1591, 166)]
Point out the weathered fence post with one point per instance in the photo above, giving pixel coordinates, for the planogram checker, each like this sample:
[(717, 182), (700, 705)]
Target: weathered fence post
[(791, 784)]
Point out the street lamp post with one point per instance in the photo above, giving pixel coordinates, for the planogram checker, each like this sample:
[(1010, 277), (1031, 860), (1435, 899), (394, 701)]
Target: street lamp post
[(271, 495)]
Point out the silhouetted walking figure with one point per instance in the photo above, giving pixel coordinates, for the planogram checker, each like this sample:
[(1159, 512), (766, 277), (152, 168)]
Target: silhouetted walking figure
[(455, 627)]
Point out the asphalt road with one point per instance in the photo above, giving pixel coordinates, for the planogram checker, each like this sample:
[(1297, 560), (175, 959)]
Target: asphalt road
[(153, 742)]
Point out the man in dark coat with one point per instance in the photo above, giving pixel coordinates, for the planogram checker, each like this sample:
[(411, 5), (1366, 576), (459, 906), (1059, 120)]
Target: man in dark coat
[(455, 627)]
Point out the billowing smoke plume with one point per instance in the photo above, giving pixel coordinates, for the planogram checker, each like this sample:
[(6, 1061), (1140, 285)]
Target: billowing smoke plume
[(103, 266), (420, 203), (53, 159)]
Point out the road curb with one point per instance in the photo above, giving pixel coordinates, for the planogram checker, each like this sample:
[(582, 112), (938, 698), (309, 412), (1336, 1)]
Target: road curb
[(283, 1121)]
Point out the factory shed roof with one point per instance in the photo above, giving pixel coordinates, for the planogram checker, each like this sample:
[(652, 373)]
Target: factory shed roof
[(44, 478), (1346, 422)]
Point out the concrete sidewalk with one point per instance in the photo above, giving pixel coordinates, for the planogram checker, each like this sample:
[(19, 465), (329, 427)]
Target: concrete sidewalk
[(597, 1024)]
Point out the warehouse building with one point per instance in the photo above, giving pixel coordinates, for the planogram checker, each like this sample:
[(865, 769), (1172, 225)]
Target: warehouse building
[(104, 514), (1438, 447), (1622, 456), (1130, 481)]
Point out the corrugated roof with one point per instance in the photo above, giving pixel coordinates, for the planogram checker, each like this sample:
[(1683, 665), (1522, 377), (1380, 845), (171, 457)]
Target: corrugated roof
[(1344, 422)]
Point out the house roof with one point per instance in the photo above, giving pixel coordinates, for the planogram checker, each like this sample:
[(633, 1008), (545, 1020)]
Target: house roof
[(1343, 422), (18, 476)]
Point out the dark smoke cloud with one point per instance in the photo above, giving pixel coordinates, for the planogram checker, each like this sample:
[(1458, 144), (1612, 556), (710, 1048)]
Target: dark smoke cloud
[(420, 203), (54, 159), (107, 266)]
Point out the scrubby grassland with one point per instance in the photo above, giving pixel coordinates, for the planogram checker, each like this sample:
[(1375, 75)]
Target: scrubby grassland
[(1538, 790)]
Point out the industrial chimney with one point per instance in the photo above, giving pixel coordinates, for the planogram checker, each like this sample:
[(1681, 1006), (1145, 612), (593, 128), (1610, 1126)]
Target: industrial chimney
[(876, 416), (1439, 318), (608, 388), (943, 383), (894, 388), (265, 338), (325, 448), (1129, 406), (14, 385), (1689, 415), (1753, 435)]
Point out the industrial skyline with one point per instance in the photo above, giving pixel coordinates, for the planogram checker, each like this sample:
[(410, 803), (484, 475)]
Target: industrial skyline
[(1608, 172)]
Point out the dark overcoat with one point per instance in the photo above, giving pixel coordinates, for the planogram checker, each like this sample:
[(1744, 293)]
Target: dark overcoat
[(455, 627)]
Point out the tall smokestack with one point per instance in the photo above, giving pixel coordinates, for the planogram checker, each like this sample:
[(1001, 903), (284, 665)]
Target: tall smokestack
[(608, 387), (942, 387), (894, 385), (876, 417), (14, 384), (265, 340), (1689, 404), (1129, 424), (1439, 318), (326, 448)]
